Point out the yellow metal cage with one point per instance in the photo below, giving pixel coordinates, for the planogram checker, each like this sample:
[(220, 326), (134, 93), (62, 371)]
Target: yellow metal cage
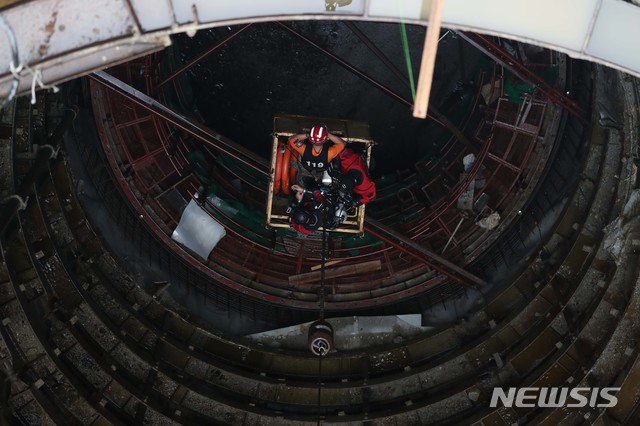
[(287, 125)]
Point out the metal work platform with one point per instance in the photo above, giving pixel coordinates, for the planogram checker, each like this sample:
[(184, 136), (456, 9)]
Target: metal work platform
[(285, 126)]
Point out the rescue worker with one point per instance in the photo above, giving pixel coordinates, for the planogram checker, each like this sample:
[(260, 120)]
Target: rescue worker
[(352, 176), (306, 213), (316, 150)]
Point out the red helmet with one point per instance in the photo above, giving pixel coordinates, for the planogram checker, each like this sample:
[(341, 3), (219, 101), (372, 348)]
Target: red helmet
[(318, 134)]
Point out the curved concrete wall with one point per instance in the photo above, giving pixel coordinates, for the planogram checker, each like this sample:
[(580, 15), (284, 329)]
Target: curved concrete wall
[(68, 38)]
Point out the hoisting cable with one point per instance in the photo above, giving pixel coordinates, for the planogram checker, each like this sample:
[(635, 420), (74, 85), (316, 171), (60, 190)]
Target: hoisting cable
[(323, 260), (320, 384)]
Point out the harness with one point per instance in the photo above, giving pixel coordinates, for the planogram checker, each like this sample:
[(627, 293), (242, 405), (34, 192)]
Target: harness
[(312, 162)]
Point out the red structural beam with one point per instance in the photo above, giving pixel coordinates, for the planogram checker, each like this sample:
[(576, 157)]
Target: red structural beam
[(209, 137), (203, 55), (498, 54), (434, 114)]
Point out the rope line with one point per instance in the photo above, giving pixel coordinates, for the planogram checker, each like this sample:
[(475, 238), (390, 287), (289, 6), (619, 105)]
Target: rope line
[(17, 70), (407, 59), (36, 78)]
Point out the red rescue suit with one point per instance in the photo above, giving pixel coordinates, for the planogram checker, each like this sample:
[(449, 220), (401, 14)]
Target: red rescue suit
[(351, 164)]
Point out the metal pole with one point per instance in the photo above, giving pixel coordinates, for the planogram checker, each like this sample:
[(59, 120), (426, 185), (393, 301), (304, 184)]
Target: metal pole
[(203, 134), (453, 235), (203, 55)]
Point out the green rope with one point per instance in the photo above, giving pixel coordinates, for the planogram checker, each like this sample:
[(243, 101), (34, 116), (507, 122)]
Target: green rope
[(407, 57)]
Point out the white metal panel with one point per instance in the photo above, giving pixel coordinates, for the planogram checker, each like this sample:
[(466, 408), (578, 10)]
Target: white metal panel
[(616, 35), (54, 28), (406, 9), (87, 60), (49, 28), (210, 11), (561, 23), (153, 15), (197, 230)]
